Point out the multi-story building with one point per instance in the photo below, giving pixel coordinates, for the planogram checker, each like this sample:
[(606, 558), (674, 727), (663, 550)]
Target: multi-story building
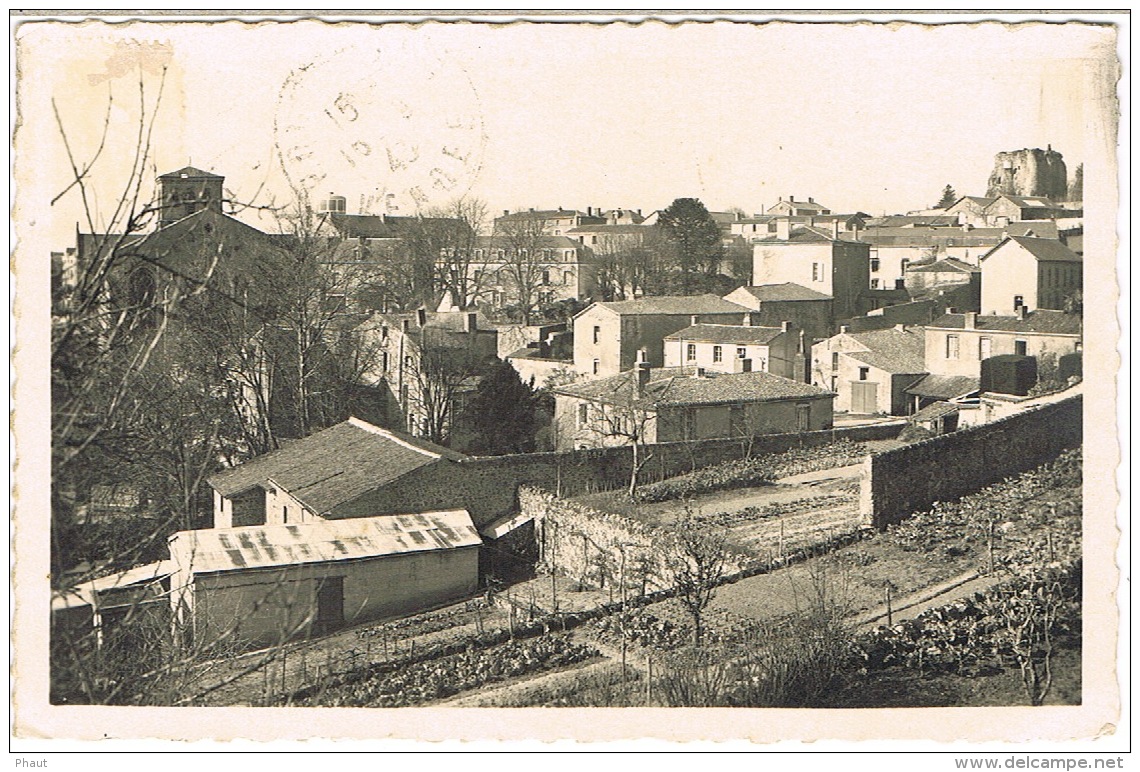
[(608, 336), (956, 344), (1031, 273), (552, 222), (816, 259), (547, 269)]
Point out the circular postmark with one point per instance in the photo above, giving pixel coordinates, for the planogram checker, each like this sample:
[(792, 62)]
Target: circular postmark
[(395, 123)]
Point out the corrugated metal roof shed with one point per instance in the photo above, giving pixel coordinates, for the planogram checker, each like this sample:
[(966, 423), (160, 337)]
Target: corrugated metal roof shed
[(268, 546)]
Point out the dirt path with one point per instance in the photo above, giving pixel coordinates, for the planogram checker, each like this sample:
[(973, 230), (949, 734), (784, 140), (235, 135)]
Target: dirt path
[(910, 606)]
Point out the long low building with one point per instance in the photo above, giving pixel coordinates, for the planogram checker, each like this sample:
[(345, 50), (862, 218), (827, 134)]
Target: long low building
[(263, 585), (685, 403)]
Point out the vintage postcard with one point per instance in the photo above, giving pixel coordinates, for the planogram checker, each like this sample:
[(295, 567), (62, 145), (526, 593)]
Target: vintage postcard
[(568, 377)]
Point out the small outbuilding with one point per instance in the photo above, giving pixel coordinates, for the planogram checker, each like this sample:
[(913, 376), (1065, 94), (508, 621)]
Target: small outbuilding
[(262, 585)]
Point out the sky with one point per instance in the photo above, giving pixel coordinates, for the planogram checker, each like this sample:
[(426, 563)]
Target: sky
[(869, 117)]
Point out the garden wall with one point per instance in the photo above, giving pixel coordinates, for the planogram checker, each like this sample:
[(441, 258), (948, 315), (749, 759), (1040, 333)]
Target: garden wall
[(911, 478), (574, 472), (586, 545)]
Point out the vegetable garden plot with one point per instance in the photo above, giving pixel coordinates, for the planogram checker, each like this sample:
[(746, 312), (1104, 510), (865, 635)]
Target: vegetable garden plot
[(419, 683)]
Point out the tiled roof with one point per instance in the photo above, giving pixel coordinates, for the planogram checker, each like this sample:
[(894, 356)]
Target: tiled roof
[(190, 171), (548, 214), (619, 213), (944, 386), (677, 386), (1030, 202), (893, 350), (934, 411), (903, 220), (1042, 320), (264, 546), (1045, 250), (945, 265), (371, 226), (334, 466), (799, 205), (982, 201), (804, 234), (726, 333), (930, 237), (783, 292), (602, 230), (675, 305)]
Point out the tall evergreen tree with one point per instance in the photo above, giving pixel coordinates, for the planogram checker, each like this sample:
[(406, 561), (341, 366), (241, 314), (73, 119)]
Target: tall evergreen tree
[(694, 235), (502, 414), (948, 198)]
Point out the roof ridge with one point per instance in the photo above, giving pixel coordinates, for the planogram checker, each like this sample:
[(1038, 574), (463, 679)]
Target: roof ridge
[(361, 424)]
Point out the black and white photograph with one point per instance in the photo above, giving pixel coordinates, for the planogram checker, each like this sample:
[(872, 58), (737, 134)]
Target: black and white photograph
[(731, 371)]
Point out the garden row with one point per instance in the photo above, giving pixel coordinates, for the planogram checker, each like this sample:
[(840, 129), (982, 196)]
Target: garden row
[(421, 682), (1018, 624), (751, 472), (1027, 520)]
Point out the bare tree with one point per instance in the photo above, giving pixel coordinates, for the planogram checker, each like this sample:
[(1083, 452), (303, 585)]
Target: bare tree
[(627, 418), (520, 237), (461, 221), (698, 561)]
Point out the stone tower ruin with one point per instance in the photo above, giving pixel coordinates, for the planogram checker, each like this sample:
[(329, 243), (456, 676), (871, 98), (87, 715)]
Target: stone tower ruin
[(1029, 172)]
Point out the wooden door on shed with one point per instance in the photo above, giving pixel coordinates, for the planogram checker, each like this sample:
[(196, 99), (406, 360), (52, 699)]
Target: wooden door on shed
[(330, 605), (864, 397)]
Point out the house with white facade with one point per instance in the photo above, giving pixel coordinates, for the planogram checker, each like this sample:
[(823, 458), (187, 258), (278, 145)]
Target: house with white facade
[(870, 371), (1032, 273), (729, 348)]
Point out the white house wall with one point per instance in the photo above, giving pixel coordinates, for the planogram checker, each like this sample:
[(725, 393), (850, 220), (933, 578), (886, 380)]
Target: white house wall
[(261, 607)]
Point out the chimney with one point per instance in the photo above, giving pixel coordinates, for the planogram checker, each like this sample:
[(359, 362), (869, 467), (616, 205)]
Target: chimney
[(835, 229), (748, 319), (700, 373), (1021, 312), (642, 377), (589, 211), (421, 317), (506, 212), (471, 322), (811, 200), (695, 319), (641, 357), (785, 325), (783, 228), (952, 310), (843, 328), (900, 327), (971, 320), (791, 199), (639, 212)]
